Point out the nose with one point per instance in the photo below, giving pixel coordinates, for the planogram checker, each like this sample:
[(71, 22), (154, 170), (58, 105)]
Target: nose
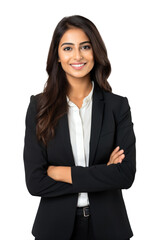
[(77, 54)]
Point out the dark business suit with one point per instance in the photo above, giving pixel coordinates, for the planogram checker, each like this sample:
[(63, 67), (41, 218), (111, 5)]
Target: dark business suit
[(111, 126)]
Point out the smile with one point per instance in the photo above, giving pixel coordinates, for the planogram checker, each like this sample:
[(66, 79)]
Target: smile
[(78, 66)]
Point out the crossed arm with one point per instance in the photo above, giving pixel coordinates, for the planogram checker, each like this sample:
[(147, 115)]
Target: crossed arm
[(53, 181), (63, 174)]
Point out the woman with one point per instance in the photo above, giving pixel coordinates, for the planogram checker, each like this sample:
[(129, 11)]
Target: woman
[(79, 149)]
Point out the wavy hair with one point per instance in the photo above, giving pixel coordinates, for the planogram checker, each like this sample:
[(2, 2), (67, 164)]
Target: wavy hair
[(52, 103)]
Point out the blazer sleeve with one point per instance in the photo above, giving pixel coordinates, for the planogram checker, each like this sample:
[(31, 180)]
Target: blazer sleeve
[(101, 177), (35, 161)]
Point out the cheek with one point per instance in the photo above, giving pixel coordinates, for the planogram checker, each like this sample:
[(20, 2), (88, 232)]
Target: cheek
[(66, 58), (92, 60), (63, 58), (90, 57), (64, 65)]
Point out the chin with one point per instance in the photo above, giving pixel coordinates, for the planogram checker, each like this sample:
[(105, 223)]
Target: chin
[(78, 75)]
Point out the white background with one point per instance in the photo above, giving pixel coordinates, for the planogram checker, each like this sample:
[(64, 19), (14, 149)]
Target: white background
[(130, 30)]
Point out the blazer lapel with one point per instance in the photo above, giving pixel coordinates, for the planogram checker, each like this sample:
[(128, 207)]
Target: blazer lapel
[(96, 123)]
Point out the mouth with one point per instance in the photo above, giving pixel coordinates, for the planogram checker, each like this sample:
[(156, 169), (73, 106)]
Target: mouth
[(78, 66)]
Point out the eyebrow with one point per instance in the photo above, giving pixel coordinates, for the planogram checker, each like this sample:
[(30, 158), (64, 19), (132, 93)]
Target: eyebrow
[(73, 44)]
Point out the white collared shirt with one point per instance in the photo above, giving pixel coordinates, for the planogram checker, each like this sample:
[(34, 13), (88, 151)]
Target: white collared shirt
[(79, 121)]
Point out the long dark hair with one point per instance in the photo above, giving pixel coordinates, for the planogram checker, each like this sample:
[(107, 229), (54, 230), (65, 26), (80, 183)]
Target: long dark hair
[(52, 103)]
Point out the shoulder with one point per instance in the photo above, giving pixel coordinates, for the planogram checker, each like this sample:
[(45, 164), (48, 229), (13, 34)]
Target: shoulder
[(111, 96), (114, 99), (116, 103), (32, 106), (34, 100), (32, 110)]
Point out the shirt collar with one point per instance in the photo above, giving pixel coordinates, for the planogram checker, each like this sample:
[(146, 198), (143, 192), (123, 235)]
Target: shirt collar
[(86, 100)]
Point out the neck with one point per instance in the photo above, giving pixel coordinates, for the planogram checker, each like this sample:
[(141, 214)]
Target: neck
[(79, 89)]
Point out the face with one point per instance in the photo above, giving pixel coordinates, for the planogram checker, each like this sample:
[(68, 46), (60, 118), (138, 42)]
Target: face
[(75, 54)]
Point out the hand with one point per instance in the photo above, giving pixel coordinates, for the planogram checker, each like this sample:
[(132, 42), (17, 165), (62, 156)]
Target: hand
[(116, 156), (60, 173), (51, 172)]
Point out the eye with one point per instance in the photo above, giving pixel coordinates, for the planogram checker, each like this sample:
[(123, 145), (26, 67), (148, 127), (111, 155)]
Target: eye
[(67, 48), (86, 47)]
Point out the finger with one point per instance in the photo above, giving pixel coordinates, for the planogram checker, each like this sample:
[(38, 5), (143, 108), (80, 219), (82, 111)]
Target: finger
[(119, 159), (115, 150), (117, 154)]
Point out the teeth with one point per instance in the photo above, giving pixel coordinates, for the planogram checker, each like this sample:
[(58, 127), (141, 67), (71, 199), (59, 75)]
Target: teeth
[(77, 65)]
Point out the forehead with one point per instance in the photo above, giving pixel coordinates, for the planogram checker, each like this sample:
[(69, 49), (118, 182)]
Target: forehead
[(74, 35)]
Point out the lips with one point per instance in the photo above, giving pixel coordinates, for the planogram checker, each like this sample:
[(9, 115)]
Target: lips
[(78, 65)]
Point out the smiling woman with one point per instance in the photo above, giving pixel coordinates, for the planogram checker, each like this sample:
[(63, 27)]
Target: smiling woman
[(79, 149), (76, 57)]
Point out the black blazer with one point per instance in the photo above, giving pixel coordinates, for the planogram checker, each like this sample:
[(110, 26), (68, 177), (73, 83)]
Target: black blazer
[(111, 126)]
